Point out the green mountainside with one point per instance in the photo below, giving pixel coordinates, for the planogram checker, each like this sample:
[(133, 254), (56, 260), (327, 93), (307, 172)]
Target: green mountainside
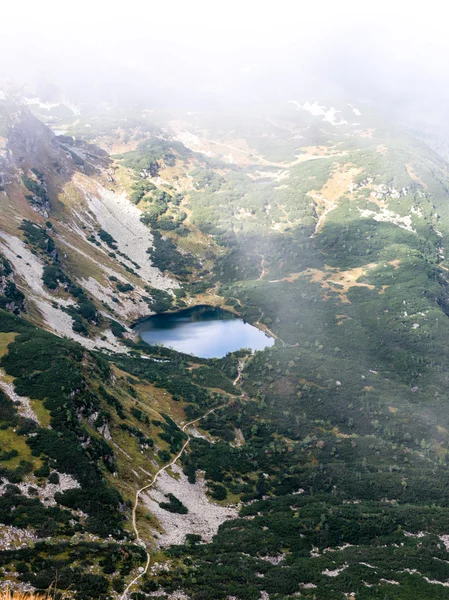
[(321, 461)]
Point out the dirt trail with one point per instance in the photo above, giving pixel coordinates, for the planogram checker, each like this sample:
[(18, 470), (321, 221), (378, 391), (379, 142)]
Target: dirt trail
[(241, 366), (254, 156), (263, 263), (149, 485)]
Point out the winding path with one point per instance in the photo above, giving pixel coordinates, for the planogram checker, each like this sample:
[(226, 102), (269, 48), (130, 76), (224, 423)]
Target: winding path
[(263, 269), (240, 367), (149, 485)]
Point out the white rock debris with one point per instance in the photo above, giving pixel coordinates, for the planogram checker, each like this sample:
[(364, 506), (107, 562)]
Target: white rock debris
[(274, 560), (46, 493), (61, 324), (436, 582), (411, 571), (367, 565), (385, 191), (30, 269), (334, 572), (176, 595), (13, 538), (192, 141), (25, 263), (338, 548), (125, 307), (8, 583), (121, 219), (420, 534), (388, 216), (24, 408), (203, 517)]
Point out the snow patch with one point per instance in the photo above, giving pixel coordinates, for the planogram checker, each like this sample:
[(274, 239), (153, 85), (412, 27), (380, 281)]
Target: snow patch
[(355, 110), (328, 114), (49, 105)]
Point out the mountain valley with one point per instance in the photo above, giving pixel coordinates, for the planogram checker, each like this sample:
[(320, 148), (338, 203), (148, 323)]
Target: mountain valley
[(316, 468)]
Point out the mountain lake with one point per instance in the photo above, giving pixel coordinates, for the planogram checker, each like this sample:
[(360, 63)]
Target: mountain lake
[(204, 331)]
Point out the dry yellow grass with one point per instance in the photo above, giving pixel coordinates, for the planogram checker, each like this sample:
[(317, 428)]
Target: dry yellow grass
[(5, 340), (337, 185), (14, 595), (414, 176), (332, 280), (381, 149), (338, 282)]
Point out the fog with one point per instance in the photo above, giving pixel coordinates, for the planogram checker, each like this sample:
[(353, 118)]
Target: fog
[(239, 52)]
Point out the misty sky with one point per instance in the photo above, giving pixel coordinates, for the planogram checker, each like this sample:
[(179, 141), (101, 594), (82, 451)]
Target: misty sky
[(234, 48)]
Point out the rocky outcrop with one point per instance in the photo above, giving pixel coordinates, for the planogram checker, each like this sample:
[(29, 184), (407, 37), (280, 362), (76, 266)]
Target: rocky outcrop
[(38, 196), (11, 298)]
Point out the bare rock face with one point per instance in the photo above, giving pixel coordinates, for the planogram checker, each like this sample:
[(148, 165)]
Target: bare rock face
[(105, 431), (29, 141), (38, 195)]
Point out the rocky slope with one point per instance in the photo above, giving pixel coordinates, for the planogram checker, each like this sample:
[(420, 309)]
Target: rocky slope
[(65, 226)]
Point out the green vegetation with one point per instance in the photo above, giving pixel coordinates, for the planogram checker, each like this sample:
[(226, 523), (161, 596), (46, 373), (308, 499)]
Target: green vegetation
[(62, 563), (150, 154), (84, 313), (159, 300), (39, 194), (61, 374), (107, 238), (166, 257), (11, 298), (47, 369), (174, 505), (139, 189), (343, 429), (335, 440)]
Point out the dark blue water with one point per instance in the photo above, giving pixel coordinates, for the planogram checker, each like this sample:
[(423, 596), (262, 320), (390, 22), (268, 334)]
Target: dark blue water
[(203, 331)]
